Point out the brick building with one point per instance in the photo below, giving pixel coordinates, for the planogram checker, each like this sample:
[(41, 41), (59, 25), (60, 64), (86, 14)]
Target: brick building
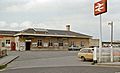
[(43, 39), (7, 39)]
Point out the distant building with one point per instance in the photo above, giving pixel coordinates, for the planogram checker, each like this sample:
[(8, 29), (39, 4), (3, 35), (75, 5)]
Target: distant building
[(108, 44), (43, 39), (94, 43)]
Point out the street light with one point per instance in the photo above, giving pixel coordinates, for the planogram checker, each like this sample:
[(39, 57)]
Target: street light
[(111, 24)]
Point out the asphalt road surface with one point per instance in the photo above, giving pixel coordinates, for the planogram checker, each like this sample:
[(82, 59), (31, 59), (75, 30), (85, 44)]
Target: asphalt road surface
[(30, 59), (53, 62), (69, 69)]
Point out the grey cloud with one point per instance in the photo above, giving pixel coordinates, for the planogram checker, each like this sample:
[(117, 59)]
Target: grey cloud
[(7, 3), (57, 13)]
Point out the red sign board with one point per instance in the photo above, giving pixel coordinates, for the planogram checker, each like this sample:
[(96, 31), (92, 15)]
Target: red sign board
[(100, 7)]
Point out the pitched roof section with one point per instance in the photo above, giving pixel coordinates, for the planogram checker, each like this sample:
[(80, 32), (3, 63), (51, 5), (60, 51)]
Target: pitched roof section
[(56, 32), (48, 32), (4, 32), (40, 29), (33, 30), (64, 32)]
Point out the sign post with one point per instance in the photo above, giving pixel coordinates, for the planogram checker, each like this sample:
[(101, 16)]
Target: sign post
[(100, 6)]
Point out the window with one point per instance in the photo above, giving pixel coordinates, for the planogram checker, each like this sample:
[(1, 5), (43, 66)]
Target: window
[(84, 51), (72, 43), (82, 43), (7, 41), (39, 43), (90, 51), (60, 43), (50, 43)]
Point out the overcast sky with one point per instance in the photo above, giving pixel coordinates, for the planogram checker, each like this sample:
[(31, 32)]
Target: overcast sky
[(55, 14)]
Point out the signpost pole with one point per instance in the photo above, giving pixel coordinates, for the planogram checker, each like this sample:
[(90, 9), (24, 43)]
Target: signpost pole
[(100, 7), (100, 42)]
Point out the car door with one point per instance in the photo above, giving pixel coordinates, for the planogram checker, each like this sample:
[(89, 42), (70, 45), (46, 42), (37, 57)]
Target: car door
[(89, 54)]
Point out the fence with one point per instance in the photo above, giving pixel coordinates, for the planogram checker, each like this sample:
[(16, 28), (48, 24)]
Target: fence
[(106, 54)]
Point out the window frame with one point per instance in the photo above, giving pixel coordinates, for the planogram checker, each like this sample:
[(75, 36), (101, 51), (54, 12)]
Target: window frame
[(39, 43), (7, 42), (50, 43)]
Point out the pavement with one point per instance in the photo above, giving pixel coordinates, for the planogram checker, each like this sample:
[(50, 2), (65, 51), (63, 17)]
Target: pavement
[(7, 59), (109, 64), (65, 69)]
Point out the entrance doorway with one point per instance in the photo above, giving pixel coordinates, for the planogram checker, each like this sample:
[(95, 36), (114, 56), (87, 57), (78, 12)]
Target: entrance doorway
[(28, 44), (13, 46)]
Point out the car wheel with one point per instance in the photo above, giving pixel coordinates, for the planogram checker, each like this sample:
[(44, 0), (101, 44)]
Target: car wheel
[(83, 59)]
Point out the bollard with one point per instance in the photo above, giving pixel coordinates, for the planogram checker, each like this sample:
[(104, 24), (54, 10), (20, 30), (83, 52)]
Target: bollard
[(94, 56)]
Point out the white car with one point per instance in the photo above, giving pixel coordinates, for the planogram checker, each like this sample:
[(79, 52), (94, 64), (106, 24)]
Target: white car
[(74, 48)]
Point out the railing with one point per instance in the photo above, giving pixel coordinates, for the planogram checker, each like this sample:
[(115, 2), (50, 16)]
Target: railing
[(116, 54)]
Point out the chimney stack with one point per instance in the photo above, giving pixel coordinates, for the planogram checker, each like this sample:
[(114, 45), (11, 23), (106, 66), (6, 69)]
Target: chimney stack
[(68, 27)]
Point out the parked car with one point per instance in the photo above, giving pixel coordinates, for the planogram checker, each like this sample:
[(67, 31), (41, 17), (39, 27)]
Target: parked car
[(74, 48), (86, 54)]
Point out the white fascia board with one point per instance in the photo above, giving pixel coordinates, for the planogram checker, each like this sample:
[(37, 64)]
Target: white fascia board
[(7, 34), (51, 35)]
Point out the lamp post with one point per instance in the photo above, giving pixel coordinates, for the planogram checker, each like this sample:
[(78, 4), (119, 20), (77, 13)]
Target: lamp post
[(111, 24)]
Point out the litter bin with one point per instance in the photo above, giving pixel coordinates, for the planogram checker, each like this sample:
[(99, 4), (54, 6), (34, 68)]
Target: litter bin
[(3, 52)]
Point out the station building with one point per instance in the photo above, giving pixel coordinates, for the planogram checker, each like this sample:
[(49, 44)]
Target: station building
[(43, 39)]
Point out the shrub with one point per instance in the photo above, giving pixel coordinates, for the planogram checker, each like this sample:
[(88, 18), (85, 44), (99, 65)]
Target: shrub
[(3, 66)]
